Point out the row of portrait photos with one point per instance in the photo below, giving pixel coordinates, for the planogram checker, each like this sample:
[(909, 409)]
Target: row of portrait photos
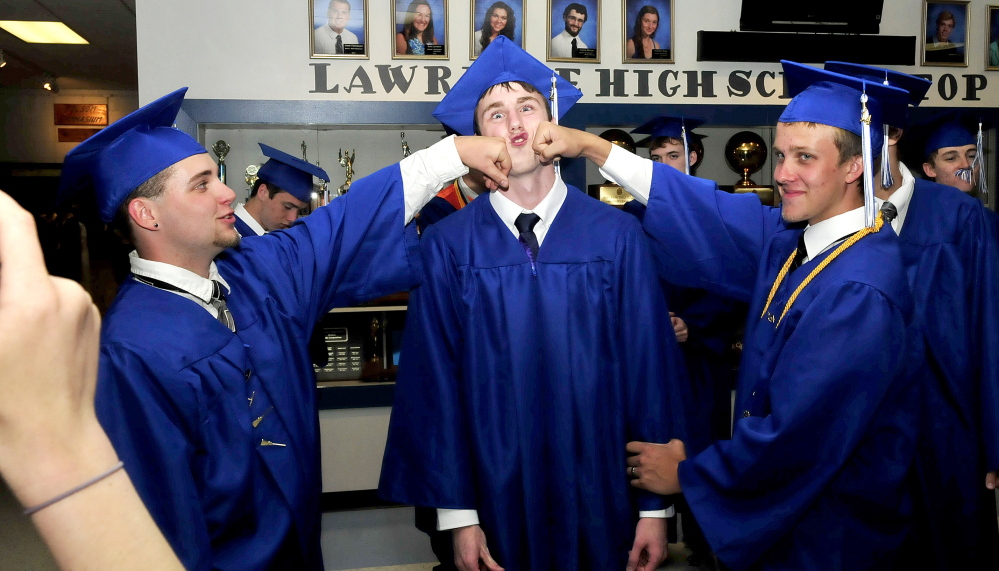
[(340, 29)]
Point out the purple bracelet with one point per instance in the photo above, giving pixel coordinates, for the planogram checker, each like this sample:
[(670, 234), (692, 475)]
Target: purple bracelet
[(82, 486)]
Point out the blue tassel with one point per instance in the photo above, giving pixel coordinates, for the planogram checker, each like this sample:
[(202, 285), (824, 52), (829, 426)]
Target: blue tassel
[(887, 181)]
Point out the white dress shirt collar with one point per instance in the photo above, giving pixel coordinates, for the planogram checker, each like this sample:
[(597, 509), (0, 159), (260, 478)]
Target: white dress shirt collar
[(250, 221), (466, 190), (549, 206), (823, 235), (186, 280)]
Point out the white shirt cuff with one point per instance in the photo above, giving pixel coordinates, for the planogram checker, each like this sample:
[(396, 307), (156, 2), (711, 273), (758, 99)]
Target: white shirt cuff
[(630, 171), (426, 172), (668, 512), (453, 519)]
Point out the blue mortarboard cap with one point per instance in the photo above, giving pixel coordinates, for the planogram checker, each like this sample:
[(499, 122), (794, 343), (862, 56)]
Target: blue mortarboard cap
[(895, 114), (952, 128), (500, 62), (672, 127), (663, 126), (291, 174), (127, 153), (837, 100), (830, 98)]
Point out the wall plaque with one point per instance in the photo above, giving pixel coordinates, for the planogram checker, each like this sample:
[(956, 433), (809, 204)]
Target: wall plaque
[(81, 114)]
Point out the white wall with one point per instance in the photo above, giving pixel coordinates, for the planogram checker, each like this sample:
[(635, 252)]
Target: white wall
[(28, 121), (259, 49)]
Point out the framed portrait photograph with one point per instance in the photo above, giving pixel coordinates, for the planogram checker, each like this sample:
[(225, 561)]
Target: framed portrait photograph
[(647, 31), (339, 28), (992, 35), (420, 29), (494, 18), (574, 30), (945, 34)]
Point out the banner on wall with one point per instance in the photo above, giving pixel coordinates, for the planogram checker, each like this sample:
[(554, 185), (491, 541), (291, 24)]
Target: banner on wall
[(617, 85)]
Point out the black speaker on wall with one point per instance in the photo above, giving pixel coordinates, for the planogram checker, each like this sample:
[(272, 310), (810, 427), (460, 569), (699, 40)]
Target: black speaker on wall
[(808, 32), (843, 17)]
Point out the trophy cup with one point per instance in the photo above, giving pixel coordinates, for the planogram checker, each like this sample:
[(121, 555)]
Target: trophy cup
[(347, 162), (607, 191), (405, 146), (250, 176), (746, 153), (221, 149)]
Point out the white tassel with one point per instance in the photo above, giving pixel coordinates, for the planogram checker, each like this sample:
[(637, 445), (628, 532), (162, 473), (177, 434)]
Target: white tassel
[(887, 181), (553, 98), (870, 208), (983, 184), (686, 148)]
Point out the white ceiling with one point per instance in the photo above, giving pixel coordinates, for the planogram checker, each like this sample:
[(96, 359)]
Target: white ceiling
[(107, 62)]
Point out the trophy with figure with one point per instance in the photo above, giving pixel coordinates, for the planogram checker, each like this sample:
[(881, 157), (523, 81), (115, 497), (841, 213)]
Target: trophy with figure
[(347, 162)]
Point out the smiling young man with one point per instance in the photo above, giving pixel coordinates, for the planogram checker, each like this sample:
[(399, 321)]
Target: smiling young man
[(282, 190), (205, 387), (537, 346), (815, 475), (950, 148)]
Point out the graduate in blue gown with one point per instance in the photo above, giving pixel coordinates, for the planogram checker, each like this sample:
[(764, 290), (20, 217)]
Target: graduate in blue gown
[(952, 265), (205, 385), (710, 323), (706, 325), (524, 372), (277, 196), (815, 476)]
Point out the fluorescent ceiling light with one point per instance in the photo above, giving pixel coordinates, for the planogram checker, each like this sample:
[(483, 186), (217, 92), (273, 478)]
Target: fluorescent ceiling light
[(42, 32)]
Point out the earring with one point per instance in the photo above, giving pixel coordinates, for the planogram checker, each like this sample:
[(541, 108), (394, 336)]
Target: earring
[(155, 225)]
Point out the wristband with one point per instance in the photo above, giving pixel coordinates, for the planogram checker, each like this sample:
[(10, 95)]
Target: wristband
[(83, 486)]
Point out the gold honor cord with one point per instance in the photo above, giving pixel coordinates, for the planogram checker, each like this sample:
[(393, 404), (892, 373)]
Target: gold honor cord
[(878, 223)]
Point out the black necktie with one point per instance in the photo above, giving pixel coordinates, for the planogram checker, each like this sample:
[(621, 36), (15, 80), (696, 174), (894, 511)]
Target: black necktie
[(218, 302), (575, 48), (339, 44), (889, 212), (799, 254), (525, 225)]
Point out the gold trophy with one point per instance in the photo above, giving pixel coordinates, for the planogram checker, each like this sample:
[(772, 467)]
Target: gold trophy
[(347, 162), (746, 153), (607, 191), (221, 149), (250, 176)]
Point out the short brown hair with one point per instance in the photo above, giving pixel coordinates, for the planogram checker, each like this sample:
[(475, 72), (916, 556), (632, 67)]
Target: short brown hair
[(272, 189), (693, 145), (152, 188)]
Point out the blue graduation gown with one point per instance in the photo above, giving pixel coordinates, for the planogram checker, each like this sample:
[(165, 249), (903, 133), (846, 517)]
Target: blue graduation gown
[(243, 228), (815, 476), (950, 257), (713, 323), (178, 392), (518, 392)]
